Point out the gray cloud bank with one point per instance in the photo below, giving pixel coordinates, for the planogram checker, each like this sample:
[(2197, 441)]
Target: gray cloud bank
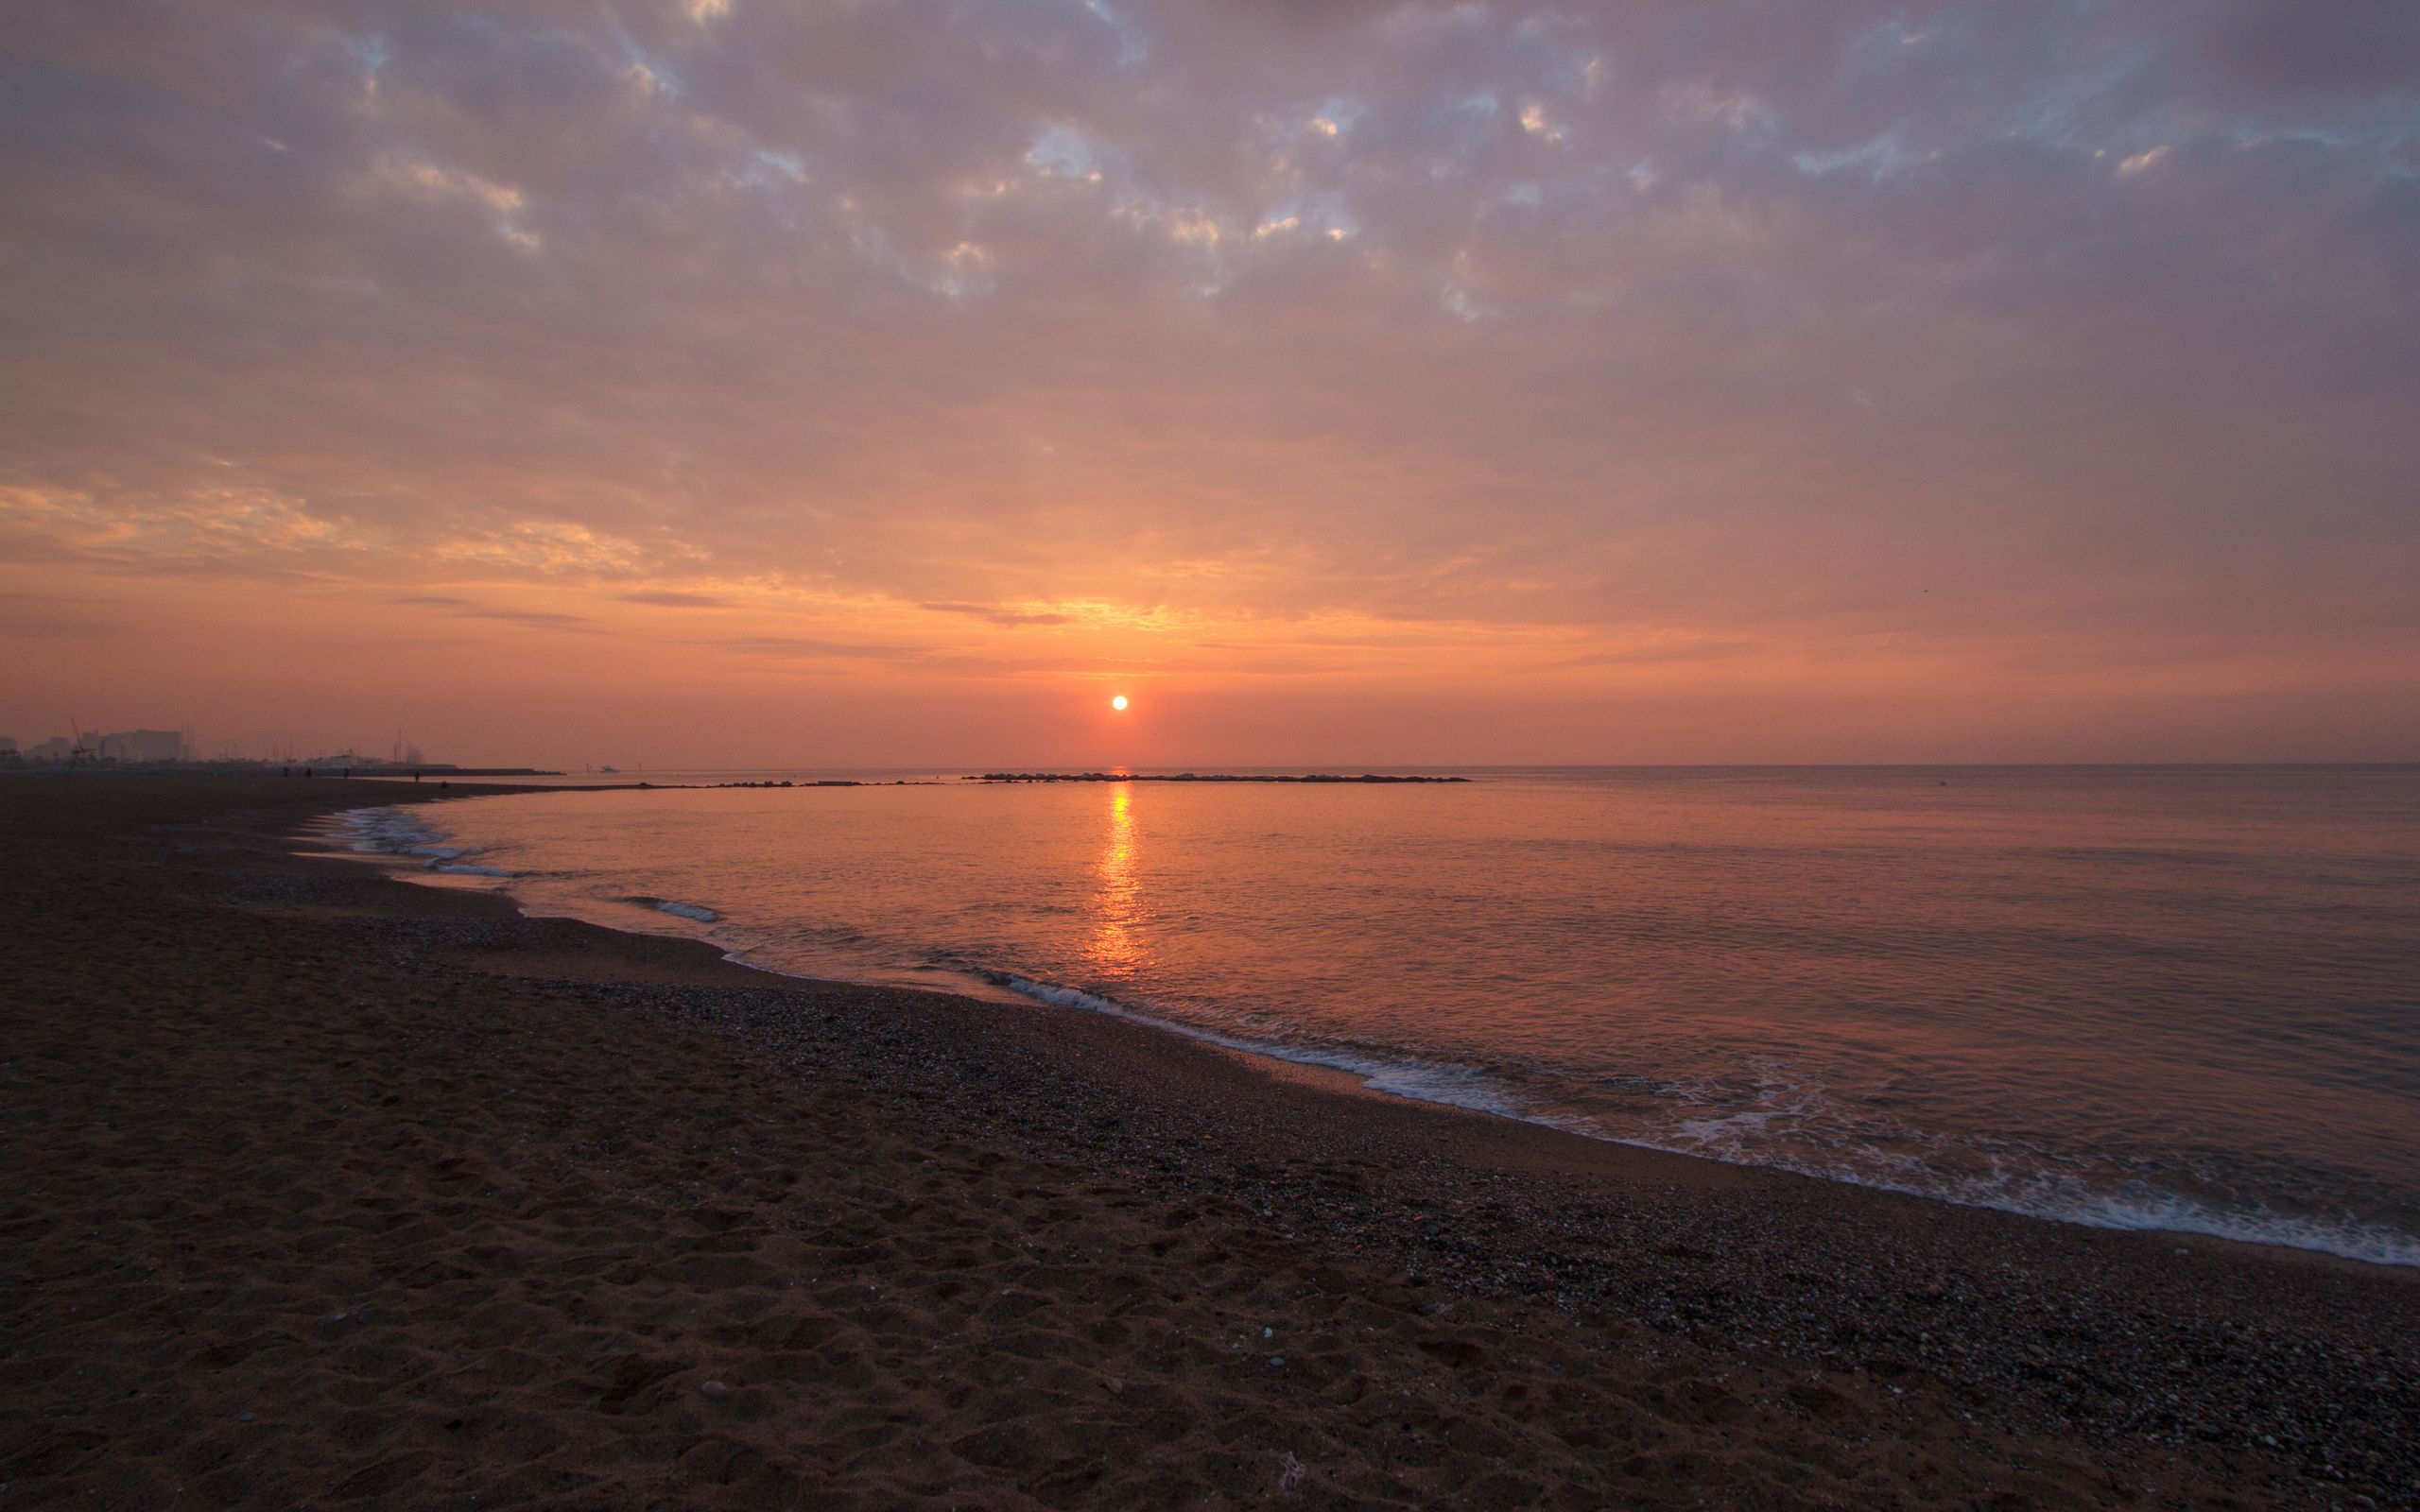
[(2085, 323)]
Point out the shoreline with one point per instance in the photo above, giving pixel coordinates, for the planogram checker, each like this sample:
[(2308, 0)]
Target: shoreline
[(1848, 1330), (1373, 1072)]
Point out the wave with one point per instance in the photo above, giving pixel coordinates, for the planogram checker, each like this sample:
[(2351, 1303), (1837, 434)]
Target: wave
[(386, 831), (2032, 1188), (400, 832), (697, 912), (1427, 1081), (2133, 1205), (1730, 1139)]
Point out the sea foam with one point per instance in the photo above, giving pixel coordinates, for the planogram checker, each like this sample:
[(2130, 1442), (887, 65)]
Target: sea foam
[(1733, 1138), (1454, 1086), (399, 833), (697, 912)]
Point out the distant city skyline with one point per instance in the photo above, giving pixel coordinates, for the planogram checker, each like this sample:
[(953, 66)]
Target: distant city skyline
[(114, 746), (719, 383)]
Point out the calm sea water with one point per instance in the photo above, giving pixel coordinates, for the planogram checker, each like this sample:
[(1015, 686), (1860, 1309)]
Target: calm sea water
[(2170, 997)]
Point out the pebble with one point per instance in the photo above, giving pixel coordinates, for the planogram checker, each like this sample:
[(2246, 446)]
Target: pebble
[(714, 1391)]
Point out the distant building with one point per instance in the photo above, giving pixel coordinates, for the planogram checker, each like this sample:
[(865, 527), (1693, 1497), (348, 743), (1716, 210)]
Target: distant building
[(133, 747), (150, 744)]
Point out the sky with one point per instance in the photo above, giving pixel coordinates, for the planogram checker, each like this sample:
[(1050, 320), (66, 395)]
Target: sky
[(738, 383)]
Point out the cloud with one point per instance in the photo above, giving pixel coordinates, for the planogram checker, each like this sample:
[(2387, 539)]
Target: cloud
[(2096, 320), (665, 598), (1661, 649), (36, 618), (1000, 617), (472, 610), (795, 649)]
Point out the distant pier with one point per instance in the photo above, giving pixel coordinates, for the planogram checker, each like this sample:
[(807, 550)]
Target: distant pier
[(1191, 777)]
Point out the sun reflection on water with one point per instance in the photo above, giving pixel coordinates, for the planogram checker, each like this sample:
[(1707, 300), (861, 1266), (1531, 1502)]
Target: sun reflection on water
[(1113, 952)]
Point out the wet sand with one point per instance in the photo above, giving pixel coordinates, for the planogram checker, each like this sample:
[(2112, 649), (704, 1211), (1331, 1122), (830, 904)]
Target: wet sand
[(324, 1190)]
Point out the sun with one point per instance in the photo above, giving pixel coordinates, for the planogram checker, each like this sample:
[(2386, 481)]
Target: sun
[(1118, 703)]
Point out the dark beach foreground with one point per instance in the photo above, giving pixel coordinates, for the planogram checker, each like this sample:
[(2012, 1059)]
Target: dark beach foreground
[(323, 1190)]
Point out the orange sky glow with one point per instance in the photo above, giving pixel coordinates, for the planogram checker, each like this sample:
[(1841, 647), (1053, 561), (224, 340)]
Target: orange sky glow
[(744, 385)]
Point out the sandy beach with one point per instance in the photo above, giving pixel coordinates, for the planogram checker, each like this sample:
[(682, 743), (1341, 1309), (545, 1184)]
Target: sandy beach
[(327, 1190)]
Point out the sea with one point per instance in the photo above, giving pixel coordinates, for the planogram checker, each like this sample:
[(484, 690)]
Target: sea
[(2177, 998)]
